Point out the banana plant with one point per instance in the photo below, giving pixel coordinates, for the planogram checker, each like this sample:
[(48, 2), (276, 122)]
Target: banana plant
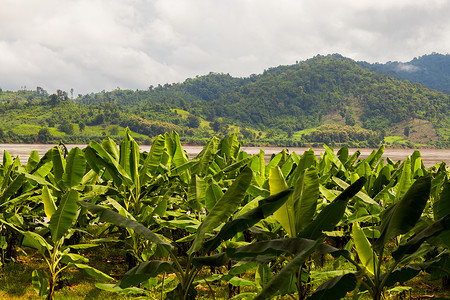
[(381, 266), (61, 210), (305, 224), (130, 180), (15, 203), (187, 268)]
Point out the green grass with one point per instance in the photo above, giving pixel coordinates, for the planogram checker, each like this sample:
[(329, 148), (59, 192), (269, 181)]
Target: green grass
[(394, 139), (298, 134)]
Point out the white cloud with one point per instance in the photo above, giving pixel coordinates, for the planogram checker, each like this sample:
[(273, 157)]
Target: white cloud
[(407, 67), (91, 45)]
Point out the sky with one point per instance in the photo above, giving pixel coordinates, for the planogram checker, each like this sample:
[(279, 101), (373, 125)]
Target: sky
[(95, 45)]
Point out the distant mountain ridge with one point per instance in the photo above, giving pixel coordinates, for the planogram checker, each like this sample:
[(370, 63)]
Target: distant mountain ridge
[(432, 70)]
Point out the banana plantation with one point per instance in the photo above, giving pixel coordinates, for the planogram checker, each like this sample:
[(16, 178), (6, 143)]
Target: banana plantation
[(295, 227)]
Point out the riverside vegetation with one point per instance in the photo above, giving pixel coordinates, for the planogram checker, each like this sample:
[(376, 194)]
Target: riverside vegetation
[(224, 224), (326, 99)]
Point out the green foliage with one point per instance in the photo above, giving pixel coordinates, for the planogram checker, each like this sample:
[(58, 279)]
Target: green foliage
[(44, 135)]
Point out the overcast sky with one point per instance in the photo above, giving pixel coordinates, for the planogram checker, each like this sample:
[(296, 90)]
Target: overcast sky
[(94, 45)]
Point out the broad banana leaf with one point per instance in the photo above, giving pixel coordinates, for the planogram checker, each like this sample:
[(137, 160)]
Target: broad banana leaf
[(223, 209), (144, 271), (12, 188), (49, 203), (64, 216), (107, 215), (34, 240), (33, 161), (327, 219), (403, 215), (75, 168), (283, 277), (365, 251), (414, 243), (153, 160), (265, 208), (285, 214), (336, 288), (59, 164), (405, 179), (93, 273), (196, 193)]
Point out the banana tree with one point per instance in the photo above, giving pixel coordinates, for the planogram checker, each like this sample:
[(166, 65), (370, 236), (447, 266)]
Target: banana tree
[(16, 204), (59, 202), (133, 182), (381, 266), (188, 267)]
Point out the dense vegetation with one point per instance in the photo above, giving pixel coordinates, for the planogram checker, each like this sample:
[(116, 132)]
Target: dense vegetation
[(298, 226), (292, 105)]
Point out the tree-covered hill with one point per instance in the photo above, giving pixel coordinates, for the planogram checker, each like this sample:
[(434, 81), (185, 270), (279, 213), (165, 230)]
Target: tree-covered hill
[(329, 99), (300, 95)]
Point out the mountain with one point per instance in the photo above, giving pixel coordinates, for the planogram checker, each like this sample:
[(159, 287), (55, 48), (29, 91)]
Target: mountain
[(433, 70), (329, 99)]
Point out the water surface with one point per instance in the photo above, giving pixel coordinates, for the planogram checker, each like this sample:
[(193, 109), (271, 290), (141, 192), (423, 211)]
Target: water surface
[(430, 157)]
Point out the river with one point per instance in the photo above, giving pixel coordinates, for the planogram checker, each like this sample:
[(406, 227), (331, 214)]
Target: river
[(429, 156)]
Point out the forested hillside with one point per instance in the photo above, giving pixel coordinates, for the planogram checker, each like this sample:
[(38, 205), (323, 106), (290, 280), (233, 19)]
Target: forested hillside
[(326, 99)]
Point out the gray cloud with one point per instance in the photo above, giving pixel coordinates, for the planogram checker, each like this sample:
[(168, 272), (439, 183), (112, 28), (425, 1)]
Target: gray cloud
[(91, 45)]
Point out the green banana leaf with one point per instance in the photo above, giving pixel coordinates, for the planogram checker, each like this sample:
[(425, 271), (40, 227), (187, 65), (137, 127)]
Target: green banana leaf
[(59, 164), (403, 215), (153, 159), (98, 158), (107, 215), (229, 148), (34, 240), (375, 156), (441, 208), (213, 194), (414, 243), (265, 208), (64, 215), (283, 277), (33, 161), (306, 193), (265, 251), (205, 157), (75, 168), (327, 219), (336, 288), (360, 195), (110, 146), (334, 159), (196, 192), (405, 179), (143, 272), (285, 214), (49, 203), (12, 188), (364, 249), (223, 209), (215, 260), (93, 273)]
